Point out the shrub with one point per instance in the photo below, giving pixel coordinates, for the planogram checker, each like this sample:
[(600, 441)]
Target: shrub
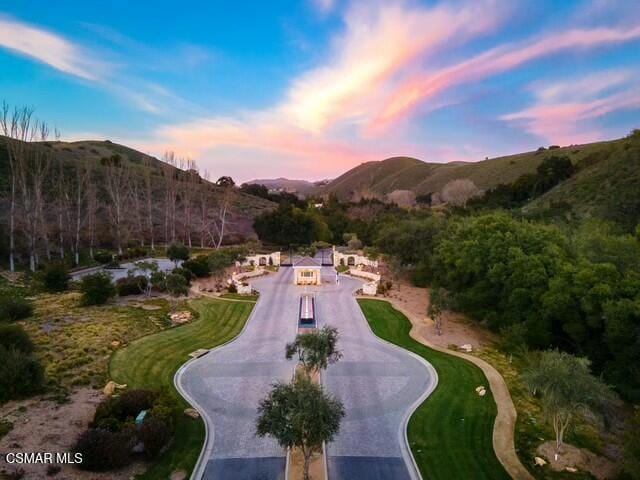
[(103, 450), (177, 252), (132, 285), (56, 277), (232, 288), (102, 256), (183, 272), (20, 374), (96, 289), (154, 434), (198, 266), (14, 336), (127, 405), (15, 308)]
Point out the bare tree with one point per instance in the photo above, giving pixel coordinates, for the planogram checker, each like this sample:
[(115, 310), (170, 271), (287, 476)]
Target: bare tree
[(402, 198), (117, 179), (83, 178), (9, 124), (188, 187), (458, 192), (148, 196), (92, 206), (171, 196)]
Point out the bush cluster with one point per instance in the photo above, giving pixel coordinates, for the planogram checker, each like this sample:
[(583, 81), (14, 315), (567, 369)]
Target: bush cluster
[(21, 374), (108, 442), (55, 277), (198, 266), (132, 285), (97, 289), (13, 308)]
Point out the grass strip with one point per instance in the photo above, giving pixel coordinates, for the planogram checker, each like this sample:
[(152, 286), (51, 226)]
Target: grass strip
[(151, 362), (451, 433)]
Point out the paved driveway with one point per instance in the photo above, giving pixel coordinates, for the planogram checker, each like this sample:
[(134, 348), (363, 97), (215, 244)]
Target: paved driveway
[(377, 383)]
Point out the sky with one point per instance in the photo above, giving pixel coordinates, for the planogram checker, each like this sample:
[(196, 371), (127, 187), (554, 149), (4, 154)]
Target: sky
[(309, 89)]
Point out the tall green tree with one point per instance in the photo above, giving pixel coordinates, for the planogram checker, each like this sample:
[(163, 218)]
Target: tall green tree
[(300, 414)]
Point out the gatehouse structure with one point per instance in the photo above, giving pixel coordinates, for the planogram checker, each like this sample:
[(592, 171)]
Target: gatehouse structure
[(307, 272)]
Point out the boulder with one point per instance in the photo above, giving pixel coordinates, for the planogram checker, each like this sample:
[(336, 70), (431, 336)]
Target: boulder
[(540, 462), (191, 413), (479, 387), (466, 347), (178, 475), (111, 386), (482, 393), (571, 469)]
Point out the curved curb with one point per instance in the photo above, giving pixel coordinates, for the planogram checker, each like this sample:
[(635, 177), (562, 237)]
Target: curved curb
[(404, 438), (407, 454), (505, 422), (198, 469)]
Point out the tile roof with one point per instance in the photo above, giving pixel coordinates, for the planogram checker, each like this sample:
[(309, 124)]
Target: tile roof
[(306, 262)]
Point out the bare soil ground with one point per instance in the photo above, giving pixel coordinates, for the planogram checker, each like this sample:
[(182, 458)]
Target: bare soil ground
[(571, 457), (41, 425), (457, 330)]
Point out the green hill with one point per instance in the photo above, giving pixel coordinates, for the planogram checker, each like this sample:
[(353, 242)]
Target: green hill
[(605, 183)]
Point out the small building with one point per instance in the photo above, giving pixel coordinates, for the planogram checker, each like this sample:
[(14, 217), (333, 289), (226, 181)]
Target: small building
[(307, 272)]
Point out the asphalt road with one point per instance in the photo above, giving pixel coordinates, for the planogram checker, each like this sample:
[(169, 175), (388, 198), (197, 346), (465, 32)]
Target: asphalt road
[(378, 383)]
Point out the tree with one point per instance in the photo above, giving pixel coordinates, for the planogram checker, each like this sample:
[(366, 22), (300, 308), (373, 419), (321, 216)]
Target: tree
[(225, 182), (315, 350), (513, 339), (299, 415), (117, 185), (567, 388), (439, 302), (177, 252), (176, 285), (458, 192)]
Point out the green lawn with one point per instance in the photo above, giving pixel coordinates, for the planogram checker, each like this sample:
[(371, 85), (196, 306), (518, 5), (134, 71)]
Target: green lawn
[(237, 296), (152, 361), (450, 434)]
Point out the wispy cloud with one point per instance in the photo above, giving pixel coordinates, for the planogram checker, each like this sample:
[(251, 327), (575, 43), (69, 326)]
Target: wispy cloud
[(319, 117), (426, 86), (49, 48), (565, 112)]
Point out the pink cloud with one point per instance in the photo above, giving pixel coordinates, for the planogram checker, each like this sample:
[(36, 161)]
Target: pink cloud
[(426, 86), (565, 112)]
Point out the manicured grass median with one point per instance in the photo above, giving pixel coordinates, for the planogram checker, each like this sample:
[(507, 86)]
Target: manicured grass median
[(450, 434), (151, 362)]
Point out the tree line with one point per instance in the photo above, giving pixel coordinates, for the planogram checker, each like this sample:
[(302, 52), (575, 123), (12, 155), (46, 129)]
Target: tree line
[(574, 288), (56, 209)]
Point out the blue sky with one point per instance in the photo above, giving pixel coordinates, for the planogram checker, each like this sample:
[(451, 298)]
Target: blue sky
[(313, 88)]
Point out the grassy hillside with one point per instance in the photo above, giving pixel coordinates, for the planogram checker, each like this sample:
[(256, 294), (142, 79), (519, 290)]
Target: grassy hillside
[(605, 183), (244, 207)]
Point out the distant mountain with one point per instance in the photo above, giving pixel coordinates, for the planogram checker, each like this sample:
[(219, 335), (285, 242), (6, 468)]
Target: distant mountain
[(301, 187)]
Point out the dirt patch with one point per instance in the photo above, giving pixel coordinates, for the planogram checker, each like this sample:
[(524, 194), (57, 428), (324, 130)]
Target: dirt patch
[(456, 330), (41, 425), (296, 465), (570, 458)]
